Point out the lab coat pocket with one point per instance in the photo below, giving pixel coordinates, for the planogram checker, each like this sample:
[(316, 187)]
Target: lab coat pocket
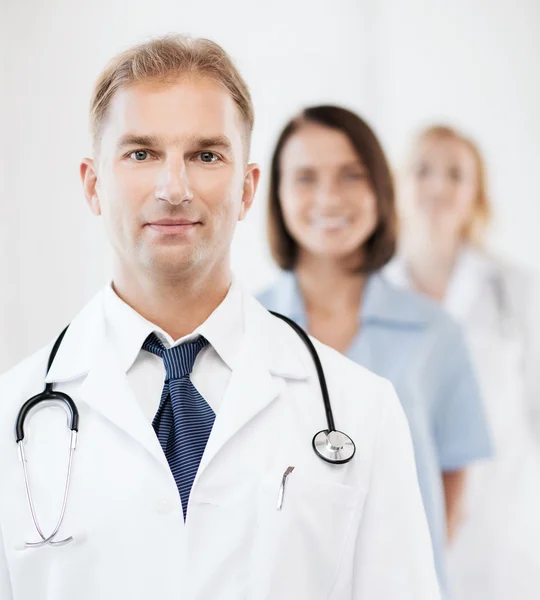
[(297, 550)]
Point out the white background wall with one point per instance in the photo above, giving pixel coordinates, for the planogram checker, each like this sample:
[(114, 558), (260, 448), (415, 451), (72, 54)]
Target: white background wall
[(475, 63), (400, 63)]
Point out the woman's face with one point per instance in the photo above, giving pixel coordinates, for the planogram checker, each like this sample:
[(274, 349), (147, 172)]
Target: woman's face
[(328, 203), (440, 187)]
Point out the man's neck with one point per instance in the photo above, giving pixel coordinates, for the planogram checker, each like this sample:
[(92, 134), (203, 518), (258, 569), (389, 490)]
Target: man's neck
[(177, 305)]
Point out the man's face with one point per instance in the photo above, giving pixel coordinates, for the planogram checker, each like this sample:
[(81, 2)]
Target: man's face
[(170, 179)]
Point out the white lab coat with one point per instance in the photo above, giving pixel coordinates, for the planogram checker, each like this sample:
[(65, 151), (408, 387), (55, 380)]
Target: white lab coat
[(496, 554), (354, 531)]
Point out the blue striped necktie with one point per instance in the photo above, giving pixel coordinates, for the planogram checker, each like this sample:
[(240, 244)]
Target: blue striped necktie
[(184, 419)]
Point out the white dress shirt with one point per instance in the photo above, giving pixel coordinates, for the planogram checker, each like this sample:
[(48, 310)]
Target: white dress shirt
[(127, 330)]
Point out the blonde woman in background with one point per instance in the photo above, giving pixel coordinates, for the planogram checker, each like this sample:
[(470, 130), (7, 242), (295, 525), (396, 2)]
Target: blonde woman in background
[(444, 214)]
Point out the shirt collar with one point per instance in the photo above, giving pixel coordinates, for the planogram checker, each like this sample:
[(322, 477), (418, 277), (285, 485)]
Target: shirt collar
[(471, 271), (127, 330), (238, 329), (382, 302), (385, 303)]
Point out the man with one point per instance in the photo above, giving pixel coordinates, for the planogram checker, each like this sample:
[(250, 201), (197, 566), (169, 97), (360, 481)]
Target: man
[(194, 475)]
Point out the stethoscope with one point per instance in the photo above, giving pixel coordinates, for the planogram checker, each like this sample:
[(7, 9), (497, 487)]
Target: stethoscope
[(329, 444)]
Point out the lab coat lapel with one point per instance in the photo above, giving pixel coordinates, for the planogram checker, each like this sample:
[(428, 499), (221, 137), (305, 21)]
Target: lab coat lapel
[(265, 360), (106, 389), (85, 353), (250, 391)]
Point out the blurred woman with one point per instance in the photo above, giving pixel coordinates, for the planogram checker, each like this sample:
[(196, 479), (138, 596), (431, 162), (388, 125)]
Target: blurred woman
[(332, 229), (445, 211)]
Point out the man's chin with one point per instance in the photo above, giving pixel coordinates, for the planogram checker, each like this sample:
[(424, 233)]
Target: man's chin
[(173, 262)]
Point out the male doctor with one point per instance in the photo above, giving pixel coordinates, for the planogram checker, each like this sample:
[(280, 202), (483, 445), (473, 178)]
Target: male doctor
[(197, 407)]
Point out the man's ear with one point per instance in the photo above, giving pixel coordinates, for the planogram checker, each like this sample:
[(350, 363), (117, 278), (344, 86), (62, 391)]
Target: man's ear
[(89, 180), (251, 181)]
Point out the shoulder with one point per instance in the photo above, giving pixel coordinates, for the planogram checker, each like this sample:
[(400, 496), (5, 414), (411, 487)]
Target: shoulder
[(440, 340), (27, 378), (353, 381), (18, 375), (285, 354), (518, 277), (362, 401), (413, 306), (514, 283), (364, 404), (24, 380), (358, 395), (281, 295)]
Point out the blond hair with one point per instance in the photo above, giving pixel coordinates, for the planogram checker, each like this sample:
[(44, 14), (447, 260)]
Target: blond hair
[(475, 229), (163, 60)]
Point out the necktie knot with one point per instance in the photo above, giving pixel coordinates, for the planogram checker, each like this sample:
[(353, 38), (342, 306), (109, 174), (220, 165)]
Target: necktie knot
[(178, 360)]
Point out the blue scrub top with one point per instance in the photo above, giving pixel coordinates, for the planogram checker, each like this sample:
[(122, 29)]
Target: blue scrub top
[(411, 341)]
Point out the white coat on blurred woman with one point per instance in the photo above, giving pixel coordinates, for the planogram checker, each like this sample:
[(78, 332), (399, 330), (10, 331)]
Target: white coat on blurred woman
[(444, 210)]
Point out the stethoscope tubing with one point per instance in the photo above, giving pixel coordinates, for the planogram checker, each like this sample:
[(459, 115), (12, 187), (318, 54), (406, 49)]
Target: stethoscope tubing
[(318, 366)]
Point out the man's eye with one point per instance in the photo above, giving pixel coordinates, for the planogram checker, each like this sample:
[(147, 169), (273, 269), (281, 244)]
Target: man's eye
[(139, 155), (208, 157)]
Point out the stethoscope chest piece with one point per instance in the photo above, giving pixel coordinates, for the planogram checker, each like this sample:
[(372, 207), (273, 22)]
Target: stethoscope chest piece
[(334, 447)]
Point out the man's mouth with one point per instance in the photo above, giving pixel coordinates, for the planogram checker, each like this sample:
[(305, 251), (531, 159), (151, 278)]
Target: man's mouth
[(172, 226)]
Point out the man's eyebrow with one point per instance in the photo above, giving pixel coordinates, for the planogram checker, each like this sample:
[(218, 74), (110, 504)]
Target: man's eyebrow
[(217, 141), (151, 141), (131, 139)]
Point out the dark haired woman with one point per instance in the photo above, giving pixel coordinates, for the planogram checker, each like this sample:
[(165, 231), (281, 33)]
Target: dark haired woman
[(332, 229)]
